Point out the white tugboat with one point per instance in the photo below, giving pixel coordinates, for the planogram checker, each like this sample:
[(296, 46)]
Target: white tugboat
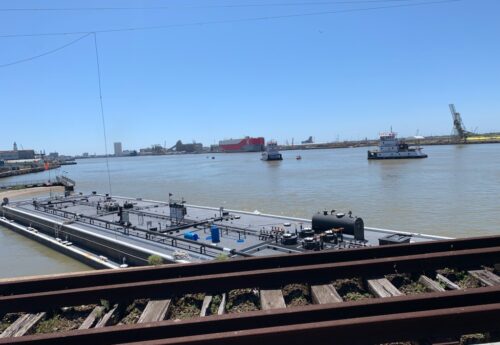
[(272, 153), (391, 147)]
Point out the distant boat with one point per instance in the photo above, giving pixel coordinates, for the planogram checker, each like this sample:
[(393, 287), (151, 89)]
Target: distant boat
[(299, 157), (271, 153), (391, 147)]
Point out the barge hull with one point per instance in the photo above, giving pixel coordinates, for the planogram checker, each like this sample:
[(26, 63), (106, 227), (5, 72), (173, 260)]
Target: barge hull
[(386, 158)]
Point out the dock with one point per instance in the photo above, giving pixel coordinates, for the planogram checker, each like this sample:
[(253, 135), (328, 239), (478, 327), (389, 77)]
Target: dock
[(64, 181)]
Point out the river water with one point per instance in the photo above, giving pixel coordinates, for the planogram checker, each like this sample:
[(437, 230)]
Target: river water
[(20, 256), (455, 192)]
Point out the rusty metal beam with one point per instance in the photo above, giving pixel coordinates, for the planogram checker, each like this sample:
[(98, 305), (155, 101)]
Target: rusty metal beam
[(131, 275), (359, 331), (245, 321), (209, 283)]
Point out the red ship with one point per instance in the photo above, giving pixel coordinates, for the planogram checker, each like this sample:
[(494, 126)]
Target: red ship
[(246, 144)]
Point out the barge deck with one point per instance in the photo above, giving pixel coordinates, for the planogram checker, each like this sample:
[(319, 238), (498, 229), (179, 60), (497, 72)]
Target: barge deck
[(126, 231)]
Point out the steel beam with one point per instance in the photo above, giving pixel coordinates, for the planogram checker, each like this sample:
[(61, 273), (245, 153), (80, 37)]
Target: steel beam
[(441, 303), (214, 283), (131, 275), (359, 331)]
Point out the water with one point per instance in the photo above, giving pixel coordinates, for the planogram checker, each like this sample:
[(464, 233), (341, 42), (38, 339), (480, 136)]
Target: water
[(454, 192), (20, 256)]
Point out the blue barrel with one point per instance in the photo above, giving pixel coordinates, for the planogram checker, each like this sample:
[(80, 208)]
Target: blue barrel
[(191, 236), (214, 231)]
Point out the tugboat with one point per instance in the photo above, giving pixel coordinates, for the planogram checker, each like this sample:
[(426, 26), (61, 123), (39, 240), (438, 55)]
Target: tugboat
[(271, 153), (391, 147)]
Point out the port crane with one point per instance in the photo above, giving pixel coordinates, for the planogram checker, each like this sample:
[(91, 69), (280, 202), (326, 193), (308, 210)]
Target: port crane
[(458, 125)]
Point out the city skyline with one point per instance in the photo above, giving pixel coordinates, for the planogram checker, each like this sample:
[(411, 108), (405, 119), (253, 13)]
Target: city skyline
[(342, 75)]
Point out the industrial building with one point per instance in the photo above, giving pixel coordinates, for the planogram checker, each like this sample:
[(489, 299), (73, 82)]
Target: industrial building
[(188, 148), (15, 154), (118, 149)]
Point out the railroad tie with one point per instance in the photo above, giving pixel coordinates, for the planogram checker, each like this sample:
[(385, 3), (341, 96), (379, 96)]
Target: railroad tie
[(107, 318), (206, 303), (323, 294), (486, 277), (222, 306), (22, 325), (92, 318), (383, 288), (449, 284), (430, 284), (156, 310), (272, 299)]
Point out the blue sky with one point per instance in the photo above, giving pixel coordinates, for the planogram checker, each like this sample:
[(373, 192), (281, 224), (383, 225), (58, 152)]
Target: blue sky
[(339, 75)]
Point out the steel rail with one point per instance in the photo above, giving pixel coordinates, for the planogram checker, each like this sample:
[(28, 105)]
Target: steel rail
[(132, 275), (271, 318), (274, 277), (358, 331)]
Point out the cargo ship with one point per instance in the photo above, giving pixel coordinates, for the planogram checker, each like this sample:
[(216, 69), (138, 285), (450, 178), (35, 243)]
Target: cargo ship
[(246, 144)]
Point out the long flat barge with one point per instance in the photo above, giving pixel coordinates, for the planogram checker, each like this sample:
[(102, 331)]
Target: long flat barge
[(127, 231)]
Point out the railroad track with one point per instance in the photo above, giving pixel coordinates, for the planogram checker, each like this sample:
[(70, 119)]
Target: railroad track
[(447, 288), (105, 277)]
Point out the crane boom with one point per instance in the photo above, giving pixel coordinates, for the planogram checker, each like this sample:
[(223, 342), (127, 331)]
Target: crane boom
[(458, 125), (452, 109)]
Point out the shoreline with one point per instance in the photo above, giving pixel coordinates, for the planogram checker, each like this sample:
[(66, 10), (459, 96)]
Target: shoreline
[(28, 192), (27, 171), (319, 146)]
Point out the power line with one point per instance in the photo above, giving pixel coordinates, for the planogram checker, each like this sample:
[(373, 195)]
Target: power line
[(45, 53), (85, 34), (98, 65), (278, 4), (230, 21), (102, 111)]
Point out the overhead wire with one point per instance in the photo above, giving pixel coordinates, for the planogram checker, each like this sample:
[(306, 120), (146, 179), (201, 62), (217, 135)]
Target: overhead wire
[(231, 21), (94, 33), (102, 112), (52, 51), (169, 7), (98, 65)]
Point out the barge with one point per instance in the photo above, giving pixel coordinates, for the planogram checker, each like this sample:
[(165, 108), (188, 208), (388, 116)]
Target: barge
[(127, 231)]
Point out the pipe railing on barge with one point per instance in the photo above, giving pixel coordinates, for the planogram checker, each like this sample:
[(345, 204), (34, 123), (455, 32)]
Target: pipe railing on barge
[(151, 235)]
